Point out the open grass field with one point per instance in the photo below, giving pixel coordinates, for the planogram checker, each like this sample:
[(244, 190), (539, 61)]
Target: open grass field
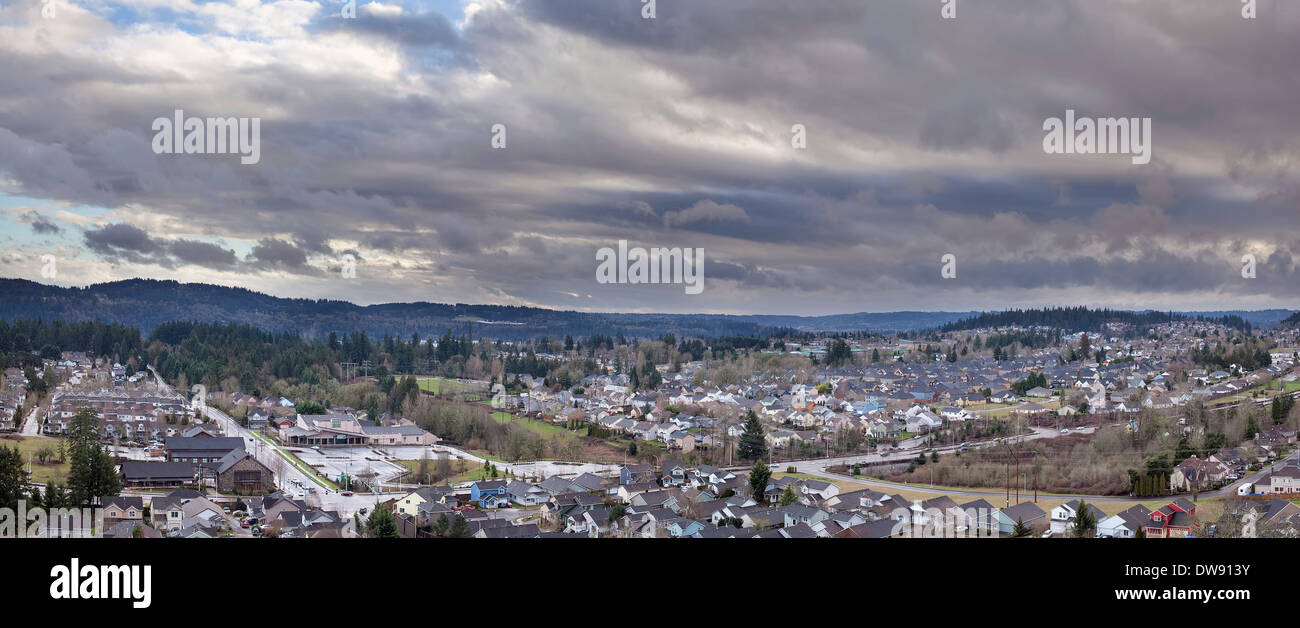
[(541, 428), (1223, 401), (1272, 389), (1206, 509), (29, 446), (473, 470), (1007, 411), (444, 386), (844, 485)]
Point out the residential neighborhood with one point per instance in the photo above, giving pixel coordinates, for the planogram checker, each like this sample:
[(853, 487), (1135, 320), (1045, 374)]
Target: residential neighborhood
[(852, 433)]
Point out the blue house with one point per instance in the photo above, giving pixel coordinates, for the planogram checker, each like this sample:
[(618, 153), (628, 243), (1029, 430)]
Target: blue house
[(489, 494), (870, 405), (682, 527)]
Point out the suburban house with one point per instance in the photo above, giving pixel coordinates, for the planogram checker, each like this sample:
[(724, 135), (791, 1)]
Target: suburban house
[(1026, 512), (1063, 516), (1124, 524), (1172, 521), (674, 473), (879, 529), (636, 474), (1284, 480), (120, 509), (983, 518), (128, 529), (410, 503), (526, 494), (489, 494), (1197, 474)]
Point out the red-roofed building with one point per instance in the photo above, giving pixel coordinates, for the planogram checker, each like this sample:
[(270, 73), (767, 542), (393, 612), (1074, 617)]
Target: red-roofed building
[(1172, 521)]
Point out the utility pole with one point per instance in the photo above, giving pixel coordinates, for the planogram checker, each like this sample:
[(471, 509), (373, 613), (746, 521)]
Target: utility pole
[(1007, 474)]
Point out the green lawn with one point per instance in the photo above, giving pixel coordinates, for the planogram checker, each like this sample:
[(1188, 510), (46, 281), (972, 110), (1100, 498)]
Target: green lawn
[(1272, 388), (1223, 401), (473, 470), (844, 485), (484, 454), (41, 473), (439, 386), (542, 428)]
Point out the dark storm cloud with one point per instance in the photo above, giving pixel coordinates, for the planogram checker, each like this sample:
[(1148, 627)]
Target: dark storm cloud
[(967, 125), (924, 137), (418, 29), (276, 254), (126, 243), (40, 224), (121, 239), (202, 254)]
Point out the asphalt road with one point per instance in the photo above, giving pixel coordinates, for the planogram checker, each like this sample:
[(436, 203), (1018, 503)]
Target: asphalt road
[(31, 426), (269, 455), (819, 468)]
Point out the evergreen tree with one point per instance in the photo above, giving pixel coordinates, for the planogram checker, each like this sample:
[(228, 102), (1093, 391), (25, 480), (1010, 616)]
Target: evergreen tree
[(1085, 522), (789, 496), (92, 473), (13, 479), (442, 525), (758, 479), (753, 445), (381, 523), (1021, 530), (459, 528)]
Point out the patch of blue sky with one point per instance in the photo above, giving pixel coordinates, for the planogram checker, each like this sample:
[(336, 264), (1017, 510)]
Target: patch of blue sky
[(127, 14), (15, 224)]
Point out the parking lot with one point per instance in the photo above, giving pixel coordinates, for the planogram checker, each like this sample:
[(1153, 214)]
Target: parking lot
[(354, 461), (360, 461)]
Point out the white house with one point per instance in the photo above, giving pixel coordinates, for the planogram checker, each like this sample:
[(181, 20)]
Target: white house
[(1124, 524), (1063, 516)]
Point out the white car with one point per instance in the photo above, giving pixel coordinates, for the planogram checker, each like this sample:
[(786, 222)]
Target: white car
[(1065, 431)]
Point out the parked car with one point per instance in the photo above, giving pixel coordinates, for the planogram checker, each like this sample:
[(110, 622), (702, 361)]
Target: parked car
[(346, 493)]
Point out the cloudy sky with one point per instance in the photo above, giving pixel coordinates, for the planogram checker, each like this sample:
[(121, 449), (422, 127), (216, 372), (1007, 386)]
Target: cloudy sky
[(924, 137)]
